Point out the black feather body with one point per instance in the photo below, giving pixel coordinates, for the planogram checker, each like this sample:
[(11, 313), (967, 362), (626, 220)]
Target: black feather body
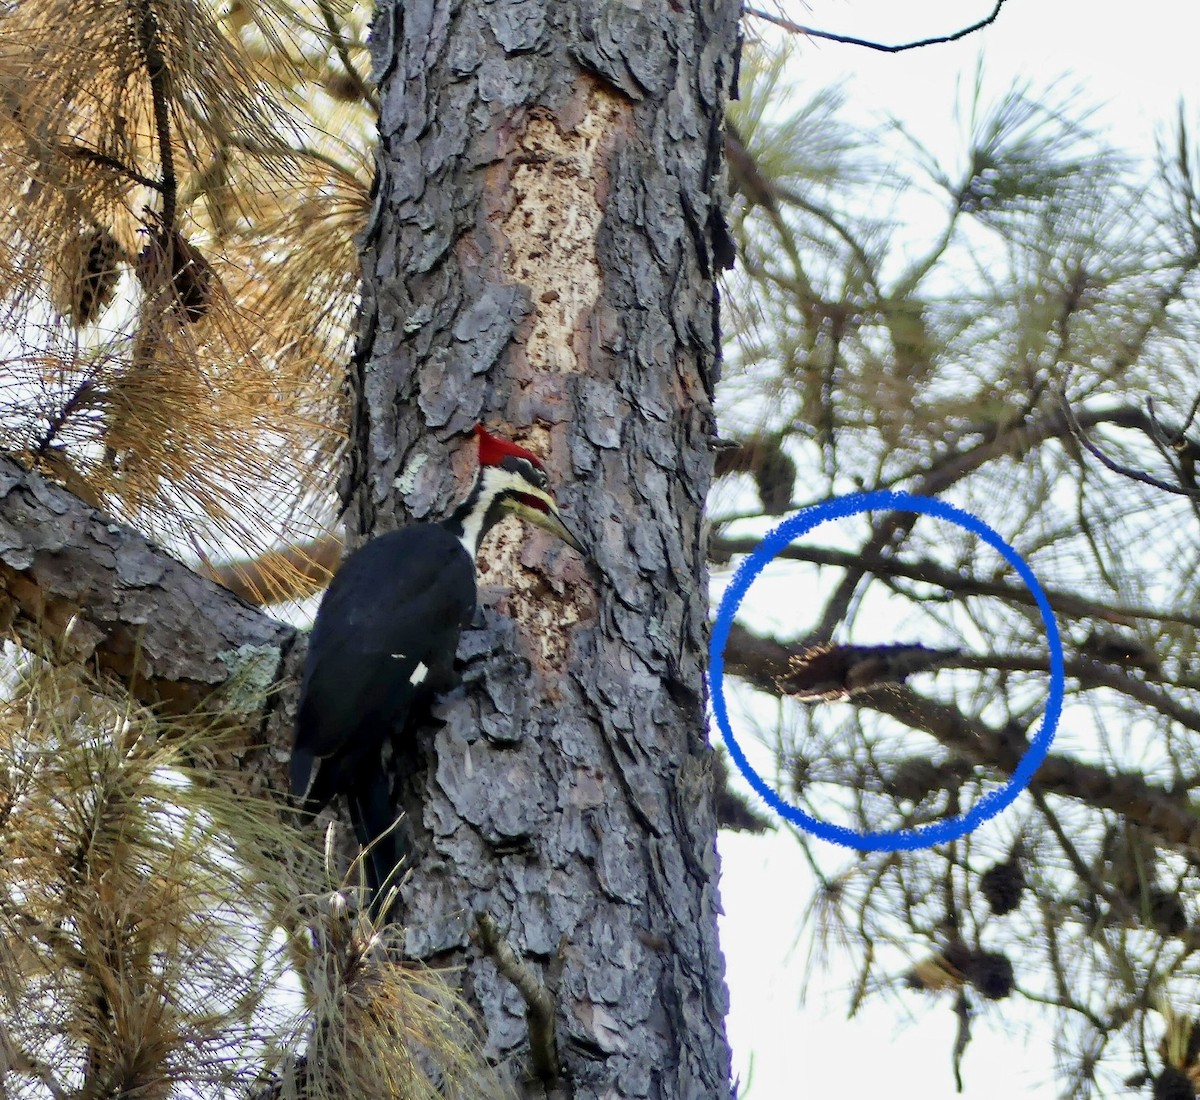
[(383, 642)]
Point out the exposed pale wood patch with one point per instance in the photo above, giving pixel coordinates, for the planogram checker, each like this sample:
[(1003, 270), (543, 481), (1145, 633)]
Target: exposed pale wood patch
[(545, 611), (557, 183), (548, 198)]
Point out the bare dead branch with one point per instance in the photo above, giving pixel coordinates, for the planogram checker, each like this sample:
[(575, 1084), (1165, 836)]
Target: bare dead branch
[(1116, 467), (848, 40), (929, 572), (539, 1004)]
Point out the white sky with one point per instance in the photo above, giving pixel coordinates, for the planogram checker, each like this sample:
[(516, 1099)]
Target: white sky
[(1135, 63)]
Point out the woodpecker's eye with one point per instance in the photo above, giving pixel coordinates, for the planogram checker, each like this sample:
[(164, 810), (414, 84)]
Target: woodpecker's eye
[(535, 475)]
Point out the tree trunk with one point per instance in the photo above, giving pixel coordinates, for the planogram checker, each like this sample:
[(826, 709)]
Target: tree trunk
[(540, 257)]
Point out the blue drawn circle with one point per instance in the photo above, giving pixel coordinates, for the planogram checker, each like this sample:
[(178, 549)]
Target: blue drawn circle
[(925, 835)]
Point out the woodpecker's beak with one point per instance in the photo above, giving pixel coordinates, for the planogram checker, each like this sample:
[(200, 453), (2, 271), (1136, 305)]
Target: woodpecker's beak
[(543, 512), (552, 522)]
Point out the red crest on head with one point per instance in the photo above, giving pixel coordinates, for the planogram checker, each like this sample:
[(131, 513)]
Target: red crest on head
[(493, 450)]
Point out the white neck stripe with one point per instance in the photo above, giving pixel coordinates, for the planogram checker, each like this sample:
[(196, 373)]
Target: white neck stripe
[(489, 486), (493, 481)]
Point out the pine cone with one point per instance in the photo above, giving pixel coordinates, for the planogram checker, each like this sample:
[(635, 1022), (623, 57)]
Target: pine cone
[(1166, 912), (991, 973), (191, 275), (915, 777), (86, 276), (1003, 885), (1173, 1084)]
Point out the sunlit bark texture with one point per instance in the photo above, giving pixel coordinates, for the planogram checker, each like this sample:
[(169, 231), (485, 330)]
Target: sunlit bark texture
[(541, 257)]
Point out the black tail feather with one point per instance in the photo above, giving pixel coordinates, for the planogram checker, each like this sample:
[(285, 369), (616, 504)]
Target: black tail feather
[(374, 819)]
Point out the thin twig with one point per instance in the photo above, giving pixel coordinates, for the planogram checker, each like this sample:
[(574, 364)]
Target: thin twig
[(339, 44), (848, 40), (1172, 446), (1187, 423), (1064, 999), (1116, 467), (1078, 864), (82, 152), (290, 153), (962, 1036), (83, 392), (539, 1005)]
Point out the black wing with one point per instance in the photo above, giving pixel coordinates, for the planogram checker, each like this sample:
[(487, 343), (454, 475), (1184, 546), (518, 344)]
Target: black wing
[(386, 632)]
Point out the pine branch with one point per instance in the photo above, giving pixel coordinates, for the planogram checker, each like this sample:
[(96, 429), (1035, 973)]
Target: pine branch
[(762, 659), (78, 587), (937, 477), (156, 69), (957, 585), (83, 393), (1162, 812)]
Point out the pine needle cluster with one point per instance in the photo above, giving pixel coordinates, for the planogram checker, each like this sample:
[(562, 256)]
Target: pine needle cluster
[(181, 185), (375, 1026), (133, 896), (154, 937)]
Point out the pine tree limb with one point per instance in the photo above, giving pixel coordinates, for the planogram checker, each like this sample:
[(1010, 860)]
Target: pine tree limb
[(289, 573), (958, 585), (1162, 812), (76, 586)]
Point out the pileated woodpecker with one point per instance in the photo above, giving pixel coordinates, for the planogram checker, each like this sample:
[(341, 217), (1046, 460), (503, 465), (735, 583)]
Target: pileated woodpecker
[(384, 642)]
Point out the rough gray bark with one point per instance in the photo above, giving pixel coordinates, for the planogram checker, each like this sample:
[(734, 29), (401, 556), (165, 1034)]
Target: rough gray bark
[(541, 257), (79, 587)]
